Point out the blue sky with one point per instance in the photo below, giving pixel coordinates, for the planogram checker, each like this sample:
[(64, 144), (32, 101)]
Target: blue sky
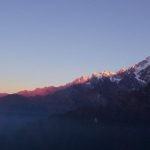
[(51, 42)]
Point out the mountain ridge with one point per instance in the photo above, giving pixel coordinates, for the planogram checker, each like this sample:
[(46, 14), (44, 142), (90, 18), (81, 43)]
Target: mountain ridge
[(104, 95), (135, 70)]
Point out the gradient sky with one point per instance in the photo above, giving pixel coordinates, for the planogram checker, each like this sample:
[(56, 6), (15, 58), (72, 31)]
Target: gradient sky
[(51, 42)]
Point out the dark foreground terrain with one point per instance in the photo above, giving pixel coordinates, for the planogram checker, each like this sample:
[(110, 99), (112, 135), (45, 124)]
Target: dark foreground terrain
[(121, 98), (59, 133)]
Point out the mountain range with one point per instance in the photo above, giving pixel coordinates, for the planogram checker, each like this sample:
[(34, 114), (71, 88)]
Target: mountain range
[(121, 95)]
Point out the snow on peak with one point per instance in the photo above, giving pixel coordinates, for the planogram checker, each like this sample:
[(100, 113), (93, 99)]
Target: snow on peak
[(148, 58), (123, 70), (113, 76), (140, 67), (98, 75), (81, 80), (103, 74), (116, 76)]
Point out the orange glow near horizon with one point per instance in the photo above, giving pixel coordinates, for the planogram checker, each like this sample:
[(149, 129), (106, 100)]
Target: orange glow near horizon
[(16, 87), (13, 89)]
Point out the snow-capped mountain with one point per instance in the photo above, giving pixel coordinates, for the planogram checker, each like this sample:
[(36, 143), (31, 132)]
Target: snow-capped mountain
[(118, 94), (139, 73), (142, 71)]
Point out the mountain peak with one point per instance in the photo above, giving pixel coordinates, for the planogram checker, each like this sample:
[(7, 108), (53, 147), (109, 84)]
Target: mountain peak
[(81, 80), (103, 74), (139, 71), (148, 58), (142, 71), (122, 70)]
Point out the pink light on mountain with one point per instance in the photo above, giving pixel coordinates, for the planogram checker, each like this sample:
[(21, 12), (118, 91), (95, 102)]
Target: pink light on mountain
[(39, 91), (3, 94)]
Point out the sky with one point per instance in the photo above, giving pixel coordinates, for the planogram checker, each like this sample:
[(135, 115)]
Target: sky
[(52, 42)]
